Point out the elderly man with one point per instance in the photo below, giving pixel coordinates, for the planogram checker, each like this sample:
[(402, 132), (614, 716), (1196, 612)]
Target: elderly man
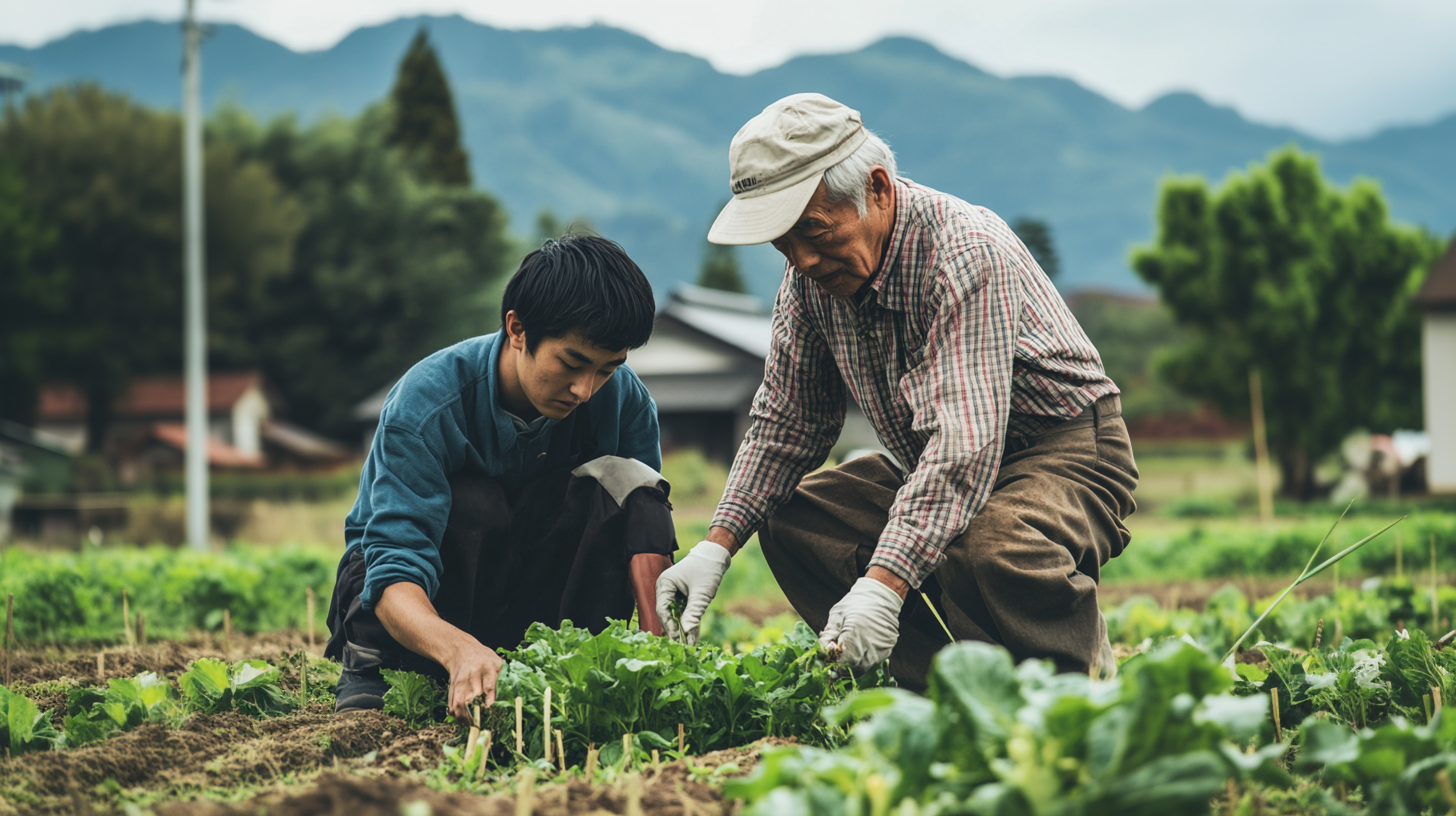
[(1012, 469)]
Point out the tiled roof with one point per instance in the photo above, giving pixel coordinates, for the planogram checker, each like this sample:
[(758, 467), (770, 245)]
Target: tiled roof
[(1438, 293), (219, 453), (148, 397)]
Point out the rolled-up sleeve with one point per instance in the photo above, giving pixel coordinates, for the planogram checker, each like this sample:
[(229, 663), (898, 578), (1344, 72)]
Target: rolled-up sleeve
[(960, 394), (409, 498), (796, 416)]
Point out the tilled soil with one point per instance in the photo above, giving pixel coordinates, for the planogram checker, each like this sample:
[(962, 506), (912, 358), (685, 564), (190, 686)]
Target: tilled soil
[(666, 790), (171, 657), (209, 752)]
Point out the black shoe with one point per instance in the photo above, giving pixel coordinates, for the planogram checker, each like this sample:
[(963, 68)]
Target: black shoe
[(360, 690)]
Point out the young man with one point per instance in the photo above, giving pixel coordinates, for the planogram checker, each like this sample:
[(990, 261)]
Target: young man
[(513, 479)]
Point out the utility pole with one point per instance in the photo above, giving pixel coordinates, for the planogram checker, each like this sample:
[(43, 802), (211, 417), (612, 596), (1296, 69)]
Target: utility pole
[(196, 319)]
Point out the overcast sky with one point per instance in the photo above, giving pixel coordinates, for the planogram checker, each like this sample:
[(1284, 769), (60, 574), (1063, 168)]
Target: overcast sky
[(1334, 68)]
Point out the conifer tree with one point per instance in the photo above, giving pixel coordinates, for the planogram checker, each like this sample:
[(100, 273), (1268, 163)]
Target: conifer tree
[(425, 123), (720, 270)]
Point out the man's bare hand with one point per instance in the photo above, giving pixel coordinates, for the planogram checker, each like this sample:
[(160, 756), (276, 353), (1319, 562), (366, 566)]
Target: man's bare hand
[(473, 673)]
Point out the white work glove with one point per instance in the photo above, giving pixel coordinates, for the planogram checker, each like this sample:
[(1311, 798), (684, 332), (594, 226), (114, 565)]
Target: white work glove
[(865, 624), (697, 576)]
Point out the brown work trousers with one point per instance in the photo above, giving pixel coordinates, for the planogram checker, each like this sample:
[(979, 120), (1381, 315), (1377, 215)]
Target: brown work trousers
[(1024, 573)]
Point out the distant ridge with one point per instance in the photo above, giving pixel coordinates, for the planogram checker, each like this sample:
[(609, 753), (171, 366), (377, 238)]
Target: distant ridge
[(602, 123)]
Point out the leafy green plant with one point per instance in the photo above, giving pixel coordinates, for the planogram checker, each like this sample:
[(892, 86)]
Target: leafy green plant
[(249, 686), (624, 682), (994, 739), (127, 702), (1401, 768), (412, 697), (23, 726)]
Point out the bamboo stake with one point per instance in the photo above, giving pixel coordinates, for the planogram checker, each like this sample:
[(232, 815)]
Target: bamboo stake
[(560, 750), (101, 666), (1261, 447), (526, 791), (308, 601), (1435, 599), (520, 741), (1278, 729), (680, 742), (227, 633), (141, 629), (1436, 698), (484, 753), (591, 763), (634, 795), (10, 635), (626, 751), (474, 735), (546, 724), (126, 620)]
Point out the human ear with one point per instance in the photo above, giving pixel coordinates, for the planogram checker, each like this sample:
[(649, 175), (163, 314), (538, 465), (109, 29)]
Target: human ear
[(515, 330)]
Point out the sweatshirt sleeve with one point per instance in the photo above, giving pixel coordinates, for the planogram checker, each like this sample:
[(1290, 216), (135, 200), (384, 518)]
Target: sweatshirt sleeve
[(409, 499)]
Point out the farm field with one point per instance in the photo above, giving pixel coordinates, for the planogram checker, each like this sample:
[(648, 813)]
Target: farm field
[(210, 696)]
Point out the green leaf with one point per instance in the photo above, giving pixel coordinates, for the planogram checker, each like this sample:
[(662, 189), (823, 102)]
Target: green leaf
[(411, 697)]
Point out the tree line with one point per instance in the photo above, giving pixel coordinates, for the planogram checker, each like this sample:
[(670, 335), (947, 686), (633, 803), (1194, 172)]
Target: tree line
[(338, 252)]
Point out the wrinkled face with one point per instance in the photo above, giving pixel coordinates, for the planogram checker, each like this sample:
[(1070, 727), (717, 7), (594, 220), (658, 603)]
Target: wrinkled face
[(562, 373), (833, 245)]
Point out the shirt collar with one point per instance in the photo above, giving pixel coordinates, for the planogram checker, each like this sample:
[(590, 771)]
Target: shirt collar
[(507, 429), (889, 281)]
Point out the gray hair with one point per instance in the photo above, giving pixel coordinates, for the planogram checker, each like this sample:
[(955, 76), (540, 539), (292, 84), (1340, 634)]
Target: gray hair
[(851, 177)]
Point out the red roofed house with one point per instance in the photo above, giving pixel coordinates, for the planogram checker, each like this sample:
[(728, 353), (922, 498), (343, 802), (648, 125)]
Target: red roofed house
[(1437, 298), (148, 434)]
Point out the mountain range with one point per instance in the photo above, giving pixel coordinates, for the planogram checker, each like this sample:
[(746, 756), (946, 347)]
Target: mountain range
[(601, 123)]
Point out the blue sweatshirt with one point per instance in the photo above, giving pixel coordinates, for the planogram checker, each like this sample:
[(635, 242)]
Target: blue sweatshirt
[(445, 416)]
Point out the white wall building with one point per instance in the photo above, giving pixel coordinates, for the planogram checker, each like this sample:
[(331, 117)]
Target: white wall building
[(1437, 299)]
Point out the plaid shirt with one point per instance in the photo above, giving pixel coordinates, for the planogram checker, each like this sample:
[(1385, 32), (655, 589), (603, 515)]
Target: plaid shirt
[(958, 341)]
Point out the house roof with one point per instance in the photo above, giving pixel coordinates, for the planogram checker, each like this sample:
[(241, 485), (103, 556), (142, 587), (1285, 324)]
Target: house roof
[(1438, 293), (302, 442), (219, 453), (742, 321), (149, 397)]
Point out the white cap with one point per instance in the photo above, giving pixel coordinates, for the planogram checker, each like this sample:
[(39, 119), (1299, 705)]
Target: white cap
[(776, 161)]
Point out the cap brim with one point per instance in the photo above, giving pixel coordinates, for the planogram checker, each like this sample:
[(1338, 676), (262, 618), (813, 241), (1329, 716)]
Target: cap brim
[(762, 218)]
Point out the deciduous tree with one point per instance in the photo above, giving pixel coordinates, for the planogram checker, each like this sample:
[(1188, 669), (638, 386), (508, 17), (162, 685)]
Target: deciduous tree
[(1311, 284)]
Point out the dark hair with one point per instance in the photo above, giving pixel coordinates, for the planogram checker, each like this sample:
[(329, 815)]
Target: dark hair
[(581, 283)]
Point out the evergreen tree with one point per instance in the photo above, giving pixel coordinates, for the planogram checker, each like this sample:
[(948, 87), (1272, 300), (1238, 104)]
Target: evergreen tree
[(425, 124), (720, 270), (1037, 235)]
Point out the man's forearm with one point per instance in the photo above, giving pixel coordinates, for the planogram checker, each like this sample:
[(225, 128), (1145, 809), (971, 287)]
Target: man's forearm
[(644, 570), (724, 537), (408, 616)]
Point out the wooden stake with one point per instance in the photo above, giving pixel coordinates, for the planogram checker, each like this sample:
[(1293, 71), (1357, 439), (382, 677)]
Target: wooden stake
[(1278, 729), (560, 749), (1436, 698), (680, 741), (526, 792), (626, 751), (126, 620), (141, 629), (656, 760), (520, 742), (308, 597), (591, 763), (9, 632), (1261, 447), (101, 666), (474, 735), (484, 753), (227, 633), (546, 724), (303, 681), (634, 795)]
